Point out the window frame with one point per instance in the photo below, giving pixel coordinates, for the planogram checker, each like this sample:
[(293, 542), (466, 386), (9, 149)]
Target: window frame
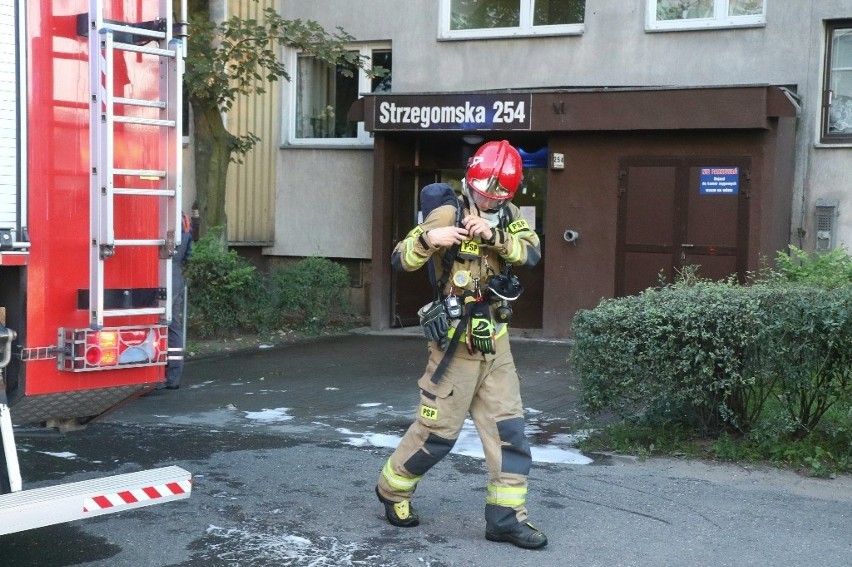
[(525, 25), (720, 19), (362, 138), (825, 137)]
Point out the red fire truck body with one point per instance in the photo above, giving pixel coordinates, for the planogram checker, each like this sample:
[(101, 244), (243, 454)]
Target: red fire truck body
[(90, 189)]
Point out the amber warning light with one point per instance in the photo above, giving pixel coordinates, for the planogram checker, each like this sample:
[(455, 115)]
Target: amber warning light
[(115, 347)]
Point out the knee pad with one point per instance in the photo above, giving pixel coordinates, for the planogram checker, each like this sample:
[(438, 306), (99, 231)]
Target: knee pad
[(435, 449), (517, 457)]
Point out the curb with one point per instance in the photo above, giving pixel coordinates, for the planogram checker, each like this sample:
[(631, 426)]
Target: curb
[(516, 335)]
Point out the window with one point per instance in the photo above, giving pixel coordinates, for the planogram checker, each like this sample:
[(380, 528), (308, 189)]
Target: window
[(467, 19), (321, 95), (837, 92), (704, 14)]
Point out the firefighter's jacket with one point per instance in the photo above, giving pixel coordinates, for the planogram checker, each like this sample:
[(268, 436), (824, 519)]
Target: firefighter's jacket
[(514, 243)]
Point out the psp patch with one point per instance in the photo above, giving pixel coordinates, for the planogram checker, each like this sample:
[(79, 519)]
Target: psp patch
[(428, 413), (469, 250), (519, 225)]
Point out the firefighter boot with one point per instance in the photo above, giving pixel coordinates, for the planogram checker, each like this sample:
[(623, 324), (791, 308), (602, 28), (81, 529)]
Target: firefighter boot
[(523, 535), (400, 514)]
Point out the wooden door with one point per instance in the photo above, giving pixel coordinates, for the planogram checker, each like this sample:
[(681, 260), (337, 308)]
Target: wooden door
[(677, 212), (409, 290)]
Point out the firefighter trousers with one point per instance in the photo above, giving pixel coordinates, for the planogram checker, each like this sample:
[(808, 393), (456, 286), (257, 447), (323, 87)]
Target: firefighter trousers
[(487, 388)]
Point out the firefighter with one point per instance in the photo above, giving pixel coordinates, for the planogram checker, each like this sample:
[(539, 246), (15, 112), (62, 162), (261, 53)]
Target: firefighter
[(174, 367), (470, 368)]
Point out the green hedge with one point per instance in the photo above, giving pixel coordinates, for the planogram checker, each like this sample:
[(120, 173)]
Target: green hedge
[(714, 355), (830, 270), (310, 293), (229, 296), (226, 294)]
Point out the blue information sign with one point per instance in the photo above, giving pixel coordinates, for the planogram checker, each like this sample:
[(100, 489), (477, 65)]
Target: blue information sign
[(719, 180)]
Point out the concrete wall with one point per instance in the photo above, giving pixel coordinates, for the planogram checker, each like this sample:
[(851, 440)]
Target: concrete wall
[(613, 50), (823, 171), (323, 209)]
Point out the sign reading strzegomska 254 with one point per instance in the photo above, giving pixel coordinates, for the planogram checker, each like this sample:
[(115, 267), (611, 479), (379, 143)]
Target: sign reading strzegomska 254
[(452, 112)]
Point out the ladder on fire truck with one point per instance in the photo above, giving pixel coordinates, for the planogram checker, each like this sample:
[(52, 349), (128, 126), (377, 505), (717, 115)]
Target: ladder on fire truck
[(106, 38)]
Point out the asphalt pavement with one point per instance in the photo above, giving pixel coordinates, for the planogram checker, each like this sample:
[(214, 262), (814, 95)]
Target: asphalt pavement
[(285, 445)]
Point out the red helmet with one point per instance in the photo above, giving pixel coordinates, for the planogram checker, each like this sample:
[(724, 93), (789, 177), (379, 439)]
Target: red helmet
[(494, 175)]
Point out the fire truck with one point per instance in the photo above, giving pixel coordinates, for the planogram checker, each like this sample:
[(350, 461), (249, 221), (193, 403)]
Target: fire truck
[(90, 194)]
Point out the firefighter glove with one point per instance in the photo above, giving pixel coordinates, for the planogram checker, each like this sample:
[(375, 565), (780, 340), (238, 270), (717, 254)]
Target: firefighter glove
[(436, 325), (480, 334)]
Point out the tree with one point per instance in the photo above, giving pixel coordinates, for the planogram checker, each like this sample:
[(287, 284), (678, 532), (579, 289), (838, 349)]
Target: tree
[(238, 57)]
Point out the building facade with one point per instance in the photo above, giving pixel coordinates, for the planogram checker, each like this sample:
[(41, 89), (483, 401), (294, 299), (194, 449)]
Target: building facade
[(656, 134)]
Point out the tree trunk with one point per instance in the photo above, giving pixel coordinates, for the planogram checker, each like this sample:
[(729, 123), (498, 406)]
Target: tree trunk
[(213, 147)]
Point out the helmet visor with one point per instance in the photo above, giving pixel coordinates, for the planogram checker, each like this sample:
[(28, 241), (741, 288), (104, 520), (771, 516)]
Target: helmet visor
[(488, 194), (487, 204), (490, 187)]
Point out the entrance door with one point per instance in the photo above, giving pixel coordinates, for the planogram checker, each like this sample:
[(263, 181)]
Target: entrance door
[(531, 198), (409, 290), (677, 212)]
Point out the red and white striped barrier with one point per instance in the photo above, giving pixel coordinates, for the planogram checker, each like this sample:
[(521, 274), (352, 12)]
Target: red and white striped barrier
[(136, 496), (48, 505)]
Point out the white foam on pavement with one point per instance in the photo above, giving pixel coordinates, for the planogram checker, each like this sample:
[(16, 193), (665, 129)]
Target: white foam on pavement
[(468, 443), (269, 415), (62, 455), (251, 545)]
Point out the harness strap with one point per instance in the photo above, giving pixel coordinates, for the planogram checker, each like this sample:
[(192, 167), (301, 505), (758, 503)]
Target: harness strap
[(451, 348), (446, 261)]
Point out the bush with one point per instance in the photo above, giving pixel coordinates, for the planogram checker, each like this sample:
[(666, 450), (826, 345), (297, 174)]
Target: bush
[(809, 350), (765, 368), (682, 353), (310, 293), (712, 354), (813, 331), (831, 270), (229, 296), (226, 294)]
